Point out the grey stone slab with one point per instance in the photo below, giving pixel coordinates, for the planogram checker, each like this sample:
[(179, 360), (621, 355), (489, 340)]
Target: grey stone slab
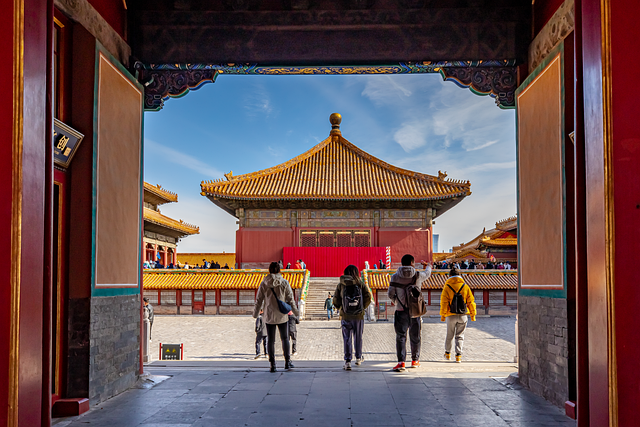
[(241, 413), (479, 420), (282, 404), (164, 425), (429, 421), (377, 419), (272, 420), (325, 422)]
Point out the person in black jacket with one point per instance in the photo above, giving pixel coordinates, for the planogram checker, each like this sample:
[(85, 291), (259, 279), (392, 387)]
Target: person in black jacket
[(293, 332), (261, 335)]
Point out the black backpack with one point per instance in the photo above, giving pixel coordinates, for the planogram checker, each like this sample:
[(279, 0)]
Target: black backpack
[(352, 303), (458, 306)]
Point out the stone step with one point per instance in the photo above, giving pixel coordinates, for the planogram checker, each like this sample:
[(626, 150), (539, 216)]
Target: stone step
[(319, 287)]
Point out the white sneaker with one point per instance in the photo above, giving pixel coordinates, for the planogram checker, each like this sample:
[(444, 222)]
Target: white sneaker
[(294, 353), (359, 361), (347, 366)]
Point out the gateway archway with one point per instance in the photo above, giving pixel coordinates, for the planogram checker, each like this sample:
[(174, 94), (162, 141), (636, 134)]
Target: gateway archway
[(601, 56)]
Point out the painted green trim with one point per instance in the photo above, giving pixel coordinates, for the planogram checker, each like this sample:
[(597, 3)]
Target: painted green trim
[(551, 293), (102, 292)]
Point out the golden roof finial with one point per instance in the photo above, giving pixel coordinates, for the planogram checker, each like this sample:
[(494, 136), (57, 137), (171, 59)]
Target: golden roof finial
[(442, 175), (335, 120), (229, 175)]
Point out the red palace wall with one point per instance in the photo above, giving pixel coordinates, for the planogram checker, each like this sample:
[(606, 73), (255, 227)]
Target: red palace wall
[(256, 247), (403, 241), (260, 245)]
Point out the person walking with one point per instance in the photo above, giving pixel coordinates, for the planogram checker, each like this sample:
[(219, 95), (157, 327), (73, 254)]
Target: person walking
[(293, 332), (405, 278), (328, 305), (149, 308), (261, 335), (274, 288), (352, 297), (456, 305)]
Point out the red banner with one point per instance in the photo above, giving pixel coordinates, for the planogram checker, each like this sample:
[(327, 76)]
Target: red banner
[(331, 262)]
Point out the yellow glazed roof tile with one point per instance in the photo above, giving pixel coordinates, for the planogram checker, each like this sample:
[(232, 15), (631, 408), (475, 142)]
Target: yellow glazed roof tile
[(335, 169), (157, 218), (160, 192), (484, 280), (215, 279), (507, 241)]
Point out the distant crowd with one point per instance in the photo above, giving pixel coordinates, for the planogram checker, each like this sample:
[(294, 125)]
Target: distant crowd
[(213, 265), (471, 265)]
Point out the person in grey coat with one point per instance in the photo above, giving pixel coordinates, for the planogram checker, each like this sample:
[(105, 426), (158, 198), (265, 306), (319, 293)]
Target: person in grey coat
[(272, 288), (407, 276)]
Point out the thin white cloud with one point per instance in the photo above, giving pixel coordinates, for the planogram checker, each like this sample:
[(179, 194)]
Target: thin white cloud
[(182, 159), (489, 167), (412, 135), (258, 102), (480, 147), (383, 89)]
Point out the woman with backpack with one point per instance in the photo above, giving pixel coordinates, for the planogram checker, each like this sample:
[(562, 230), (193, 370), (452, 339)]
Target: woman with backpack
[(352, 297), (273, 292), (456, 304)]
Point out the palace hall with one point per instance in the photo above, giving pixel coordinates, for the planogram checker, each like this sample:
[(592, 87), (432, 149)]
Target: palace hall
[(162, 233), (73, 223), (330, 204)]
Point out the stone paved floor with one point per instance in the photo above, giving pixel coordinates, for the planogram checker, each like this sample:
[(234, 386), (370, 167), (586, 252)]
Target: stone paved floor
[(211, 338), (322, 394)]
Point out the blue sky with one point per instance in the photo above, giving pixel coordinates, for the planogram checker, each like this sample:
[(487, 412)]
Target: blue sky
[(413, 121)]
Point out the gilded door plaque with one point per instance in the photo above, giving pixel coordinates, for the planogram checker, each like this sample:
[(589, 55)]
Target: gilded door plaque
[(65, 142)]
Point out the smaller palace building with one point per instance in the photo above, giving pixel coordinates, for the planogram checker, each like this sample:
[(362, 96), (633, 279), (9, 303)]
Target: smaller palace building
[(500, 242), (332, 206), (161, 233)]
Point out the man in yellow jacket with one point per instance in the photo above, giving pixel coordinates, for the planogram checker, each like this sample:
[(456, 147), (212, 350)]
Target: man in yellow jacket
[(456, 304)]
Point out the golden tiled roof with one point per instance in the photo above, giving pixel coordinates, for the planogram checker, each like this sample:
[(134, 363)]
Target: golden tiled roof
[(216, 279), (507, 241), (157, 218), (335, 169), (486, 280), (160, 192), (508, 224)]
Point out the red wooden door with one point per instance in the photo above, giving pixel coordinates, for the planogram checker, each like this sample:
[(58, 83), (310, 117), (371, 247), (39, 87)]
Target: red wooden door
[(198, 302)]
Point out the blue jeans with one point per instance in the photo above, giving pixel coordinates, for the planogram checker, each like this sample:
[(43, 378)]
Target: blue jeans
[(329, 314), (352, 331)]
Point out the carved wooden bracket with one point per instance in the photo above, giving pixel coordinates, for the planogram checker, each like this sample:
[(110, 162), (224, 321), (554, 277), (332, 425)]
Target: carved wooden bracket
[(497, 79), (498, 82)]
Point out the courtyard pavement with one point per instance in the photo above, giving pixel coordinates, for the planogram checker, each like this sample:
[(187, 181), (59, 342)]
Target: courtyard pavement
[(200, 394), (225, 338), (221, 385)]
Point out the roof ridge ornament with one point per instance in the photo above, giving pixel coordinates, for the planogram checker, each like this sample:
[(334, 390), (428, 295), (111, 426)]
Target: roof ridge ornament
[(335, 119), (229, 175), (442, 175)]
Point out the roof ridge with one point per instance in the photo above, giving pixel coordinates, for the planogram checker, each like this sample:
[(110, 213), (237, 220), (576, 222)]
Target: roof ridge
[(331, 140), (170, 196), (156, 216)]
